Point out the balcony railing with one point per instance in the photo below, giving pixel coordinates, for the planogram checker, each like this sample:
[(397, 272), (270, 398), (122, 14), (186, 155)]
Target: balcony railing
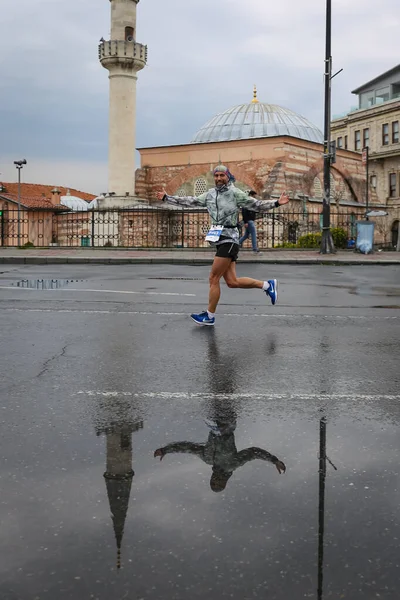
[(122, 49)]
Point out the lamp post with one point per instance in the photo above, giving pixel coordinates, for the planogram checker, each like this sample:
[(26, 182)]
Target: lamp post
[(327, 246), (19, 164)]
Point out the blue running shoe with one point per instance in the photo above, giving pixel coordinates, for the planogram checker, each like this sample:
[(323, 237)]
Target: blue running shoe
[(272, 291), (203, 319)]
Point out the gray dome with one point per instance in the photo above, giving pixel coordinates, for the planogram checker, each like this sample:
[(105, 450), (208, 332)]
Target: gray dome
[(257, 120)]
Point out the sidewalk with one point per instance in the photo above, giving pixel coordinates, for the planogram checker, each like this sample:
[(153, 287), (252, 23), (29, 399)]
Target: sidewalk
[(108, 256)]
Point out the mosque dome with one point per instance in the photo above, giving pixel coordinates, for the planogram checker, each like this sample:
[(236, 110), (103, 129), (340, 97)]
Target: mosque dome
[(74, 203), (257, 120)]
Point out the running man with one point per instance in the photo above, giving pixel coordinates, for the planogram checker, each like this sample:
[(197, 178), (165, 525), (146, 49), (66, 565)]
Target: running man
[(223, 203)]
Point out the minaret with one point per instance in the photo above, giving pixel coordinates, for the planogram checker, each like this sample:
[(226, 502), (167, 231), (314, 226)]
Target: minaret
[(123, 58)]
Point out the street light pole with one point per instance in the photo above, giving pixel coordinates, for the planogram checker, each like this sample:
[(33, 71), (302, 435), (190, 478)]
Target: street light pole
[(327, 246), (19, 164)]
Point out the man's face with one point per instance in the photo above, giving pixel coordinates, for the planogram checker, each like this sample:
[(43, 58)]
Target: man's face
[(220, 179)]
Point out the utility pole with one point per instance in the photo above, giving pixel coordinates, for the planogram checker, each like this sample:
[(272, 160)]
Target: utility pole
[(327, 246), (19, 164)]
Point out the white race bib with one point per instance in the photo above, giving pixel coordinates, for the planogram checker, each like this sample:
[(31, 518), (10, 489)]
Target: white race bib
[(214, 233)]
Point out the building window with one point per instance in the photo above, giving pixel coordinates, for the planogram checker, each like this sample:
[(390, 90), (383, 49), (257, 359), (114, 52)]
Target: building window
[(365, 138), (395, 132), (181, 192), (317, 188), (373, 181), (345, 142), (385, 134), (332, 186), (129, 31), (200, 187), (357, 140), (367, 99), (382, 95), (340, 142), (392, 185)]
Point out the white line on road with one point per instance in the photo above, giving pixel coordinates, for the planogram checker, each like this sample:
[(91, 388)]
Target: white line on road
[(185, 314), (68, 289), (237, 396)]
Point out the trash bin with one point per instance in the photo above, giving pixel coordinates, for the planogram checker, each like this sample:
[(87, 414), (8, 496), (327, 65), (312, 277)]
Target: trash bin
[(85, 241), (365, 236)]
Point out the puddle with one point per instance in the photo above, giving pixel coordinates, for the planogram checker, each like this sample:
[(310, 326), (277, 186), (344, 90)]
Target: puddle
[(44, 284)]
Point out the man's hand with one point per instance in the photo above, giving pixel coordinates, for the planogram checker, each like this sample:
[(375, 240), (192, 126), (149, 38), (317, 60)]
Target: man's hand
[(280, 467), (159, 452), (160, 195), (284, 199)]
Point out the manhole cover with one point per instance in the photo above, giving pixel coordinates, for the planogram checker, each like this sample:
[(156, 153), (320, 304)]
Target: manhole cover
[(44, 284)]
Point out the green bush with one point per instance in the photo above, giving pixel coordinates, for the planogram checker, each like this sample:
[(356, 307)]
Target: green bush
[(286, 245), (310, 240), (28, 245), (339, 236)]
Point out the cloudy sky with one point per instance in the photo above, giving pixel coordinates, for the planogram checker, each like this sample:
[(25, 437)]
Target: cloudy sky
[(204, 57)]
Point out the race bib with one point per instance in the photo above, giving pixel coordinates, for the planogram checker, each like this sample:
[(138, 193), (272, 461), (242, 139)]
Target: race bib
[(214, 233)]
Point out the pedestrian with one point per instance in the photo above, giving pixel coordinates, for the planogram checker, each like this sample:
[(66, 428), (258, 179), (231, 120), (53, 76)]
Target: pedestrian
[(221, 454), (223, 203), (249, 217)]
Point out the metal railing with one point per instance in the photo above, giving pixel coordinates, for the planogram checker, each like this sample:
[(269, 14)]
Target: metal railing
[(152, 228)]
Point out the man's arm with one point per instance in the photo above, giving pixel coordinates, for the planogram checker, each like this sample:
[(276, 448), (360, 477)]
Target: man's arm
[(181, 447), (245, 456), (183, 200), (245, 201)]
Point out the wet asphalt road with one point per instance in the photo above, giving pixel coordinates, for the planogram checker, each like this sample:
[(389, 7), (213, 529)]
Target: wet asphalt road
[(100, 374)]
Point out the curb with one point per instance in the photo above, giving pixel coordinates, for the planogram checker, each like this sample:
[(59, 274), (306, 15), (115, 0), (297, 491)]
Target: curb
[(79, 260)]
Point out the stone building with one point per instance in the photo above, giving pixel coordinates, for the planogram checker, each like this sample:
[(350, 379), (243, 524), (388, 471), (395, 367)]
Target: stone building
[(268, 148), (375, 124)]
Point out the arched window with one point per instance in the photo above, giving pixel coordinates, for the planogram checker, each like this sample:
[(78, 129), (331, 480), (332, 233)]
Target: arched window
[(129, 32), (181, 192), (333, 186), (317, 191), (200, 186)]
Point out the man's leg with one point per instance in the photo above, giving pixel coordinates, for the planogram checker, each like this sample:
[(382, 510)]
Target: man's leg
[(245, 236), (233, 281), (270, 287), (252, 228), (219, 267)]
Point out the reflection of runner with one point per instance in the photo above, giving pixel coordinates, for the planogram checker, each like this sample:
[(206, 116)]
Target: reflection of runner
[(220, 452), (223, 203)]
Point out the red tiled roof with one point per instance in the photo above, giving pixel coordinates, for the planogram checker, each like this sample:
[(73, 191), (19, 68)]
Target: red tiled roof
[(38, 196)]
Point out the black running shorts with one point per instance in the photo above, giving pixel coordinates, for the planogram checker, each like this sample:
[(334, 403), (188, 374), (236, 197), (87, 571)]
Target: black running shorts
[(228, 250)]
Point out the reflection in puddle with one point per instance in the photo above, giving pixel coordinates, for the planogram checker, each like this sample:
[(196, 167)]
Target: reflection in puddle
[(44, 284), (119, 475)]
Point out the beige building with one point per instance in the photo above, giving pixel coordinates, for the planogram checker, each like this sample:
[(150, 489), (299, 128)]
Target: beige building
[(375, 124)]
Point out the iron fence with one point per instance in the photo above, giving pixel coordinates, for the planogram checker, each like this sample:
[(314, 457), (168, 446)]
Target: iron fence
[(152, 228)]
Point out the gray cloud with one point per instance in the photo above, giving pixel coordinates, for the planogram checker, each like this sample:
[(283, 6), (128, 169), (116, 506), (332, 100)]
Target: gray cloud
[(202, 60)]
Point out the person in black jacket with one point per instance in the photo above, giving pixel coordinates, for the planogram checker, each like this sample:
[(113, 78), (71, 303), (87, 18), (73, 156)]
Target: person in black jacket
[(249, 216)]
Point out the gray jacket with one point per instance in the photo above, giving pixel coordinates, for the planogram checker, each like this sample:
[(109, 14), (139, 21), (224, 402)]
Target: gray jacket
[(223, 206)]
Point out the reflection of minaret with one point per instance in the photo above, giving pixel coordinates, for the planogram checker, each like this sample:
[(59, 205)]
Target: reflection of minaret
[(119, 476)]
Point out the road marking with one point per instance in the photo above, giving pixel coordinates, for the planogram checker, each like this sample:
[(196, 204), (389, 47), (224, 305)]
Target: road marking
[(68, 289), (185, 314), (235, 396)]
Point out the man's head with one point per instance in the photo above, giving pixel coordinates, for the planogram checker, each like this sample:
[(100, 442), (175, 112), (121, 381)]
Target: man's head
[(218, 480), (252, 193), (222, 176)]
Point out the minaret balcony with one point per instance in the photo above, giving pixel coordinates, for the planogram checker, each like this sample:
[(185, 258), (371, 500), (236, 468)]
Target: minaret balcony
[(122, 52)]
